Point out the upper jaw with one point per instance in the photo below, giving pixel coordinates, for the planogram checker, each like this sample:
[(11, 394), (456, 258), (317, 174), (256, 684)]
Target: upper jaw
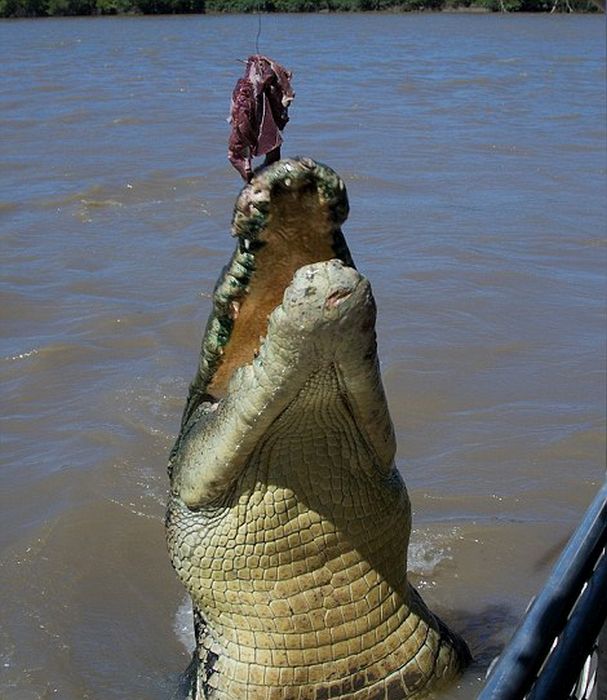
[(293, 175)]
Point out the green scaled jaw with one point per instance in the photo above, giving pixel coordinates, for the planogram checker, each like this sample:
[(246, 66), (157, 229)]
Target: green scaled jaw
[(253, 203), (252, 213)]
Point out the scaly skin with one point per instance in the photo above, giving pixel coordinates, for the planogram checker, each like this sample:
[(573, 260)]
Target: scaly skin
[(288, 522)]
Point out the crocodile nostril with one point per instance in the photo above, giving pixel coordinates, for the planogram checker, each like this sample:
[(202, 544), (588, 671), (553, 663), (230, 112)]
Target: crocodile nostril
[(337, 297)]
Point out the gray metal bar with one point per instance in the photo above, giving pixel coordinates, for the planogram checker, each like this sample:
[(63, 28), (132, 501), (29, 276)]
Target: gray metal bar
[(601, 675), (517, 667), (560, 674)]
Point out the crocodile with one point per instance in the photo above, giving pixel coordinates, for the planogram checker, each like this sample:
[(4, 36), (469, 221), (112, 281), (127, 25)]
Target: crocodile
[(288, 522)]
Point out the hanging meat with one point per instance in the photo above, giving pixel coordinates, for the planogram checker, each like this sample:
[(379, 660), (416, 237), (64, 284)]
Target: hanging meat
[(258, 113)]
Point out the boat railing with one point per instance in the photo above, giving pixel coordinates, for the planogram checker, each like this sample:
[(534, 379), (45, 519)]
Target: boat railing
[(553, 652)]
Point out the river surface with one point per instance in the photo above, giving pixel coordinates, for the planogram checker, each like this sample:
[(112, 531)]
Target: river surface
[(473, 149)]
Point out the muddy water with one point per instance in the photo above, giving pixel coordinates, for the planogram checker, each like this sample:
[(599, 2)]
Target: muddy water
[(473, 148)]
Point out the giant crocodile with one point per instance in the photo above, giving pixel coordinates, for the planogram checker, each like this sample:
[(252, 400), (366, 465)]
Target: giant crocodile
[(288, 522)]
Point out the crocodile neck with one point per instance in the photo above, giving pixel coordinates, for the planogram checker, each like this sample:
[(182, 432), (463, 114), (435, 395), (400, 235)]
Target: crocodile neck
[(311, 587)]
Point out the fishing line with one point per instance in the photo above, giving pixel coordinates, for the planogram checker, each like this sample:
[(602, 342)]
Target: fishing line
[(258, 32)]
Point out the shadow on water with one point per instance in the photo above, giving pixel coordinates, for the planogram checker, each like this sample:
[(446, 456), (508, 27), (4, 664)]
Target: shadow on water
[(486, 631)]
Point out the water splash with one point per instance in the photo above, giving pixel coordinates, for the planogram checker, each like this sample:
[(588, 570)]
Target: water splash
[(183, 624)]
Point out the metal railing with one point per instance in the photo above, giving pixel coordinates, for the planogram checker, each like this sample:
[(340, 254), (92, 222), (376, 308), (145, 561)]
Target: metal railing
[(548, 651)]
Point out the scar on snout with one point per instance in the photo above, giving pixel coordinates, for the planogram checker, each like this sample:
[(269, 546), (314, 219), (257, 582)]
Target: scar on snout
[(337, 297)]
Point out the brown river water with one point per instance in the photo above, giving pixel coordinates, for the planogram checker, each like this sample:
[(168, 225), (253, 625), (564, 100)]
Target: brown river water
[(474, 152)]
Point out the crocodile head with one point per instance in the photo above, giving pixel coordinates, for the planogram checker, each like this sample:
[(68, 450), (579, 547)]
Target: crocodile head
[(288, 522)]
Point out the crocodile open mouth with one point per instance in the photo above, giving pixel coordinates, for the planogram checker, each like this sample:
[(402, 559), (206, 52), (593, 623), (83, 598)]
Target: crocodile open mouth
[(289, 216)]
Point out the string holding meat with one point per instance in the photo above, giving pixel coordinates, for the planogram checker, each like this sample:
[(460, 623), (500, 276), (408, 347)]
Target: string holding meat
[(258, 113)]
